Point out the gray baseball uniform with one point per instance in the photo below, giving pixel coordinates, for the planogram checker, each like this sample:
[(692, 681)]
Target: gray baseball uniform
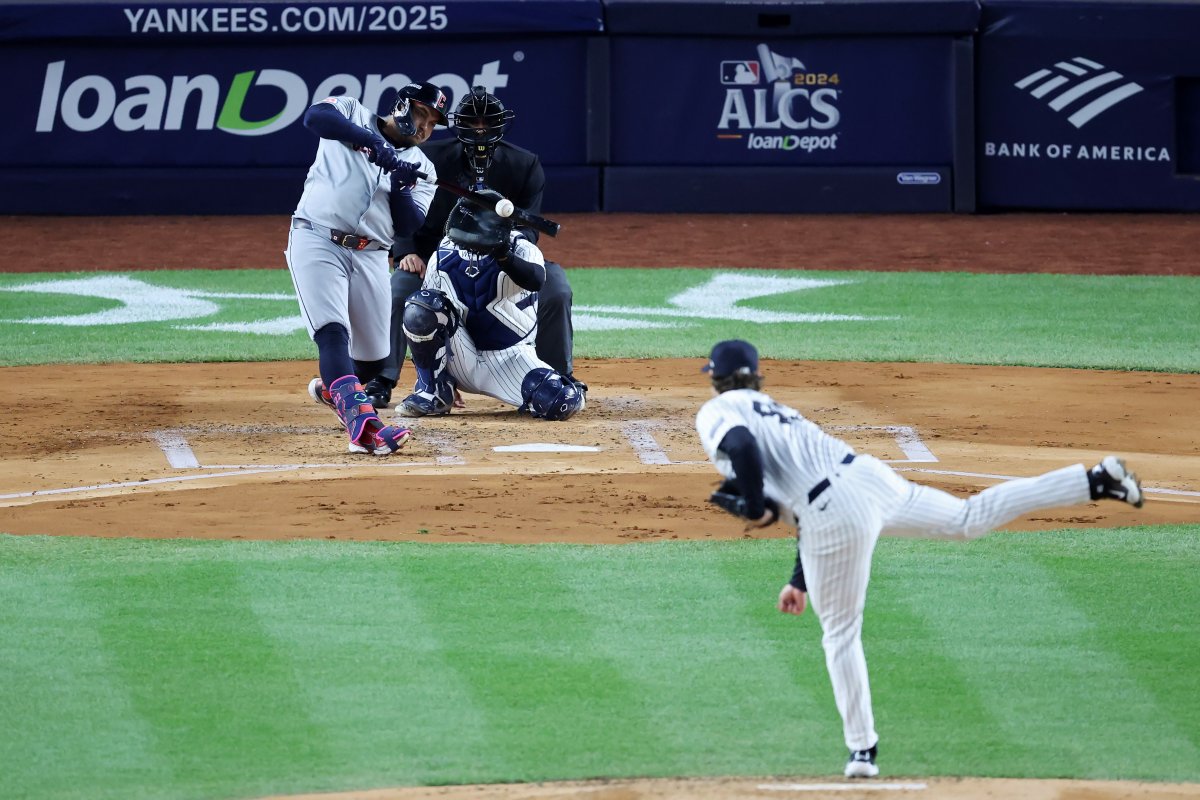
[(346, 198)]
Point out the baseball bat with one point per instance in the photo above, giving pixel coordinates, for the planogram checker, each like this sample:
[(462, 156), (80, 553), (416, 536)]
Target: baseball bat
[(538, 223)]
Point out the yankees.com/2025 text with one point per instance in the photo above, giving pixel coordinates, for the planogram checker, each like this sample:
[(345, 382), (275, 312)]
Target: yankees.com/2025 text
[(288, 19)]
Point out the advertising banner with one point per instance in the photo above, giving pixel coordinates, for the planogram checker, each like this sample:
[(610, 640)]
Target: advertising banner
[(150, 23), (1085, 111), (195, 106), (792, 102)]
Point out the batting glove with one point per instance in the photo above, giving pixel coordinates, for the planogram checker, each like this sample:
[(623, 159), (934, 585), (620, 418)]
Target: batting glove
[(404, 174)]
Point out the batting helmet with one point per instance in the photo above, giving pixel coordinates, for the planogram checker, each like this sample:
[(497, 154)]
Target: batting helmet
[(478, 230), (427, 95), (481, 119)]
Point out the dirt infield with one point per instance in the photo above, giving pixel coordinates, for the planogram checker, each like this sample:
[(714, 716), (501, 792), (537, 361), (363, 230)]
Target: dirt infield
[(239, 450)]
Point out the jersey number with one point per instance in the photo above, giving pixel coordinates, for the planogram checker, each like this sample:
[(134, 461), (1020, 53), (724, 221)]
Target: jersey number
[(785, 415)]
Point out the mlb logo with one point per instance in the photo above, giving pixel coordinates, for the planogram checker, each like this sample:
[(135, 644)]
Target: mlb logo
[(739, 73)]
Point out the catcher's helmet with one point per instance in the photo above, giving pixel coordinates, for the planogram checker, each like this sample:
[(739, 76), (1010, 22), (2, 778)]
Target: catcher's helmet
[(548, 395), (478, 230), (481, 119), (427, 95)]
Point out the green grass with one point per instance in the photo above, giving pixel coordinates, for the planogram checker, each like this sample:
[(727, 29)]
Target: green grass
[(183, 669), (1099, 322)]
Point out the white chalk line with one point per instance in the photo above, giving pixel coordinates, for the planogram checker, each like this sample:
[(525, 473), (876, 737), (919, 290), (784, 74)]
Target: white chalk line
[(843, 787), (638, 433), (1145, 489)]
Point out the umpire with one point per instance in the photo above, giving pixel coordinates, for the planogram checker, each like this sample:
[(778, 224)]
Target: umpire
[(476, 158)]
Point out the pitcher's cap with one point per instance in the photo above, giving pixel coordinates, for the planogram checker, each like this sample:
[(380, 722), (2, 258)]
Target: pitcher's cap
[(731, 356)]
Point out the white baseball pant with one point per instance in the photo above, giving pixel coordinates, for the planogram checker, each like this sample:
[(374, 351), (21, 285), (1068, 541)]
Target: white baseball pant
[(838, 532)]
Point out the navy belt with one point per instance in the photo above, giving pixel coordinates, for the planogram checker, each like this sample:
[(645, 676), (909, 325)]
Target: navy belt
[(347, 240), (823, 484)]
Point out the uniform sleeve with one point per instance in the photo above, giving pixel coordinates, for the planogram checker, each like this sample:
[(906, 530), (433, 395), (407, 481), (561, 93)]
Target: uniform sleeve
[(422, 192), (713, 421), (525, 265), (798, 574), (534, 186), (332, 119), (740, 446)]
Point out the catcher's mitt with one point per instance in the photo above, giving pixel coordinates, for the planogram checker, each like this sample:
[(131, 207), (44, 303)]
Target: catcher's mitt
[(729, 498)]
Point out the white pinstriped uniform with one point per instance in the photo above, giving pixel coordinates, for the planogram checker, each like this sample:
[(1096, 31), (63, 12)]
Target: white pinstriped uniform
[(493, 349), (346, 192), (838, 529)]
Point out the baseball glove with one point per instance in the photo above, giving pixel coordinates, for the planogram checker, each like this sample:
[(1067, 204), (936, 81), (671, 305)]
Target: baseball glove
[(729, 498)]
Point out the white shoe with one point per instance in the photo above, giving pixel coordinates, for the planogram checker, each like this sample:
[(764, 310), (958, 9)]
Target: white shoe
[(862, 764), (1110, 478)]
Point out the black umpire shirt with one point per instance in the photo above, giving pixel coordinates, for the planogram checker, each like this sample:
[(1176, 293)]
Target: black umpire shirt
[(515, 173)]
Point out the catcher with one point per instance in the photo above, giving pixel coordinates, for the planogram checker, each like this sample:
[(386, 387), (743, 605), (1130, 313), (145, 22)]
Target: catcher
[(471, 325), (779, 465)]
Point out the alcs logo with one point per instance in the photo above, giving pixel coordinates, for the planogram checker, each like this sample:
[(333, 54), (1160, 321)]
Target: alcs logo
[(796, 99), (153, 103)]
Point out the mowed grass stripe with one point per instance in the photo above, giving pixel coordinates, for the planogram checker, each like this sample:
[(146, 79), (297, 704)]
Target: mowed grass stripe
[(688, 624), (1045, 671), (796, 728), (1145, 615), (222, 703), (468, 663), (369, 664), (552, 704), (70, 729), (1021, 319), (931, 716)]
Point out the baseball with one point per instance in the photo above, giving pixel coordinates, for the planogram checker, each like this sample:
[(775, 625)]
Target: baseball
[(505, 207)]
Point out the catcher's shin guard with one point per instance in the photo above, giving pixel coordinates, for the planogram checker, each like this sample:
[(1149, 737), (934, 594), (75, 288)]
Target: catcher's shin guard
[(429, 322), (356, 412)]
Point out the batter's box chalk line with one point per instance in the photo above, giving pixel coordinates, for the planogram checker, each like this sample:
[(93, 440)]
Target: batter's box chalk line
[(640, 434)]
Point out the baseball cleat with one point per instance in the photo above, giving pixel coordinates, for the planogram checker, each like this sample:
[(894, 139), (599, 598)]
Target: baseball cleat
[(387, 440), (862, 764), (320, 394), (422, 405), (378, 392), (1112, 479)]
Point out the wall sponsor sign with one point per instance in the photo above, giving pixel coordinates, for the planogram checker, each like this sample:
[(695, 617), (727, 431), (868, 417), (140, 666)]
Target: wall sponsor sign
[(194, 106), (147, 23), (866, 101), (1084, 115)]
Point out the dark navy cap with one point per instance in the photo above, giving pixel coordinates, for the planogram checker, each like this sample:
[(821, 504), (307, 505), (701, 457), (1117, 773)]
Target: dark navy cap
[(730, 356)]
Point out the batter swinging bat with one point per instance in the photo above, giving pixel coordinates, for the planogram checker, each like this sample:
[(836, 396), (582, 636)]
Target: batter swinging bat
[(499, 206)]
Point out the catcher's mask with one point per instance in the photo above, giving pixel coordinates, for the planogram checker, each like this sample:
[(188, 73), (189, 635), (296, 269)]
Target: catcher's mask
[(477, 230), (479, 123), (427, 95)]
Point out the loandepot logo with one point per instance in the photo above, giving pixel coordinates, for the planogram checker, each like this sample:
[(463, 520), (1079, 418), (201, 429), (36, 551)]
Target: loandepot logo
[(1080, 86), (134, 301), (153, 102), (778, 93)]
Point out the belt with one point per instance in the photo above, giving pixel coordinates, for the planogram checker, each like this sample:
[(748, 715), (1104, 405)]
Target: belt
[(823, 484), (347, 240)]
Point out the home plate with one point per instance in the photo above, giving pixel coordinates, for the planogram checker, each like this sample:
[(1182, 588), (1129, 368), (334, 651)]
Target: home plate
[(545, 447)]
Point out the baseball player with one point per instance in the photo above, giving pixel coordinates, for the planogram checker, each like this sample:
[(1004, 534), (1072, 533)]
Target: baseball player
[(361, 191), (471, 324), (476, 158), (779, 465)]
